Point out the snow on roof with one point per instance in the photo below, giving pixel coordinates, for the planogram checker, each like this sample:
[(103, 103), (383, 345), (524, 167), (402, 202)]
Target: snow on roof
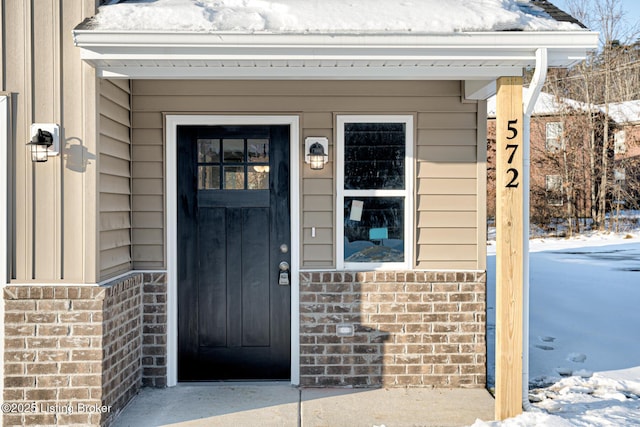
[(624, 112), (546, 105), (326, 16)]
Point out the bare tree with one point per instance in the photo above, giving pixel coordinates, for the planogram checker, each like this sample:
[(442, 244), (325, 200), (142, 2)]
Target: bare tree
[(609, 76)]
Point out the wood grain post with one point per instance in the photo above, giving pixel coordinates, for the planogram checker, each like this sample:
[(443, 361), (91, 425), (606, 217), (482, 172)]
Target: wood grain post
[(509, 247)]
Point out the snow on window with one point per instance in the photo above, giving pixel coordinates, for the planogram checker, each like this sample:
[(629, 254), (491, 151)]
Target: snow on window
[(619, 142), (554, 138)]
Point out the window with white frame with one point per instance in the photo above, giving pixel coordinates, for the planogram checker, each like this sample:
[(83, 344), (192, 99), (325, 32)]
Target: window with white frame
[(554, 140), (553, 186), (619, 142), (374, 192)]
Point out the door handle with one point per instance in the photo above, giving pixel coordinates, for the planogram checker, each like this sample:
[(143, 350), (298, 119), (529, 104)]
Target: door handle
[(283, 277)]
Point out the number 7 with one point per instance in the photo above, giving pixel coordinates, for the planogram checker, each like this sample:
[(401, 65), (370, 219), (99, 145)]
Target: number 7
[(513, 153)]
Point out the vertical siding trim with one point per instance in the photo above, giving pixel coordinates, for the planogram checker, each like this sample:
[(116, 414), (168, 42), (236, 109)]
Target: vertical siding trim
[(482, 185), (29, 267)]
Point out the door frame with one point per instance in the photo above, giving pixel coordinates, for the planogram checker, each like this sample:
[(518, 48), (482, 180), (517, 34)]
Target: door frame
[(172, 121)]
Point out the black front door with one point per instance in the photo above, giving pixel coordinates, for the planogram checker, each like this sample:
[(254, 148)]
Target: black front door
[(233, 232)]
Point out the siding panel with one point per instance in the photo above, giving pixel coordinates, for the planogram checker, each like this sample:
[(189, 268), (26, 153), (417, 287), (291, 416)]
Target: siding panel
[(447, 186), (446, 202), (447, 170), (115, 179), (446, 153)]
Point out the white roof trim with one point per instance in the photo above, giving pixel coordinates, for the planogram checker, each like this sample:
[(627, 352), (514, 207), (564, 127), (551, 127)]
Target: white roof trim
[(476, 56)]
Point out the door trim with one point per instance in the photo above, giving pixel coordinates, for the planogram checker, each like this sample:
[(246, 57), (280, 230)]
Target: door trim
[(172, 121)]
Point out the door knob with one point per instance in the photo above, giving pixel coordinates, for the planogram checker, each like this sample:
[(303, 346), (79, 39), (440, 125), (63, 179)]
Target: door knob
[(284, 266)]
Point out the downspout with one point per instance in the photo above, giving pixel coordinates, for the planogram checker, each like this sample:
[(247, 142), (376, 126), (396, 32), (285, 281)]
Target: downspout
[(529, 101)]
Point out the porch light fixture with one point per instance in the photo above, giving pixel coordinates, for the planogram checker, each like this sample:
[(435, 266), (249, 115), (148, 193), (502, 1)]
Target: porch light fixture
[(44, 141), (316, 150)]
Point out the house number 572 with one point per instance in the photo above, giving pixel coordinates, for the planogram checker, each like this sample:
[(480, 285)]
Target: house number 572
[(513, 172)]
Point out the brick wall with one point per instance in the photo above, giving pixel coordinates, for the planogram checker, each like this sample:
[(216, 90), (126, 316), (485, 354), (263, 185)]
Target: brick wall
[(122, 342), (70, 350), (411, 329), (154, 348)]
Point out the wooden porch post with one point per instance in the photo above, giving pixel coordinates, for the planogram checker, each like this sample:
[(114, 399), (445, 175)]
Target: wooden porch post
[(509, 247)]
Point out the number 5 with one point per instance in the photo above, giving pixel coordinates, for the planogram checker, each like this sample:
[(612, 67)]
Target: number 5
[(513, 130)]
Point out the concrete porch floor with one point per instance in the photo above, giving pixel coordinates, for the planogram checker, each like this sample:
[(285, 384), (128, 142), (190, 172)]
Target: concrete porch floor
[(280, 404)]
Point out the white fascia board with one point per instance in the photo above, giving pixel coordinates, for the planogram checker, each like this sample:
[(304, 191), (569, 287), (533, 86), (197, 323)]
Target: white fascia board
[(147, 51)]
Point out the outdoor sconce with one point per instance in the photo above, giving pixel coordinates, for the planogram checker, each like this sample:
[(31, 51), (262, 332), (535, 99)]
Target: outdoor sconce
[(316, 150), (45, 139)]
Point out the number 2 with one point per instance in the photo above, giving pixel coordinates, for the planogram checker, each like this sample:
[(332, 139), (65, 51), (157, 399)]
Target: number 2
[(513, 183)]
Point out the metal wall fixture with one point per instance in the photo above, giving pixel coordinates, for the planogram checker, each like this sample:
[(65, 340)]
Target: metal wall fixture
[(45, 141), (316, 152)]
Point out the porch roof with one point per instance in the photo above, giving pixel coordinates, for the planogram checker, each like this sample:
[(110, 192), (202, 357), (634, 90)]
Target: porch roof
[(456, 45)]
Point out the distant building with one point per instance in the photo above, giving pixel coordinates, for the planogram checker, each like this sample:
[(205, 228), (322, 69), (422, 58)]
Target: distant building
[(563, 182)]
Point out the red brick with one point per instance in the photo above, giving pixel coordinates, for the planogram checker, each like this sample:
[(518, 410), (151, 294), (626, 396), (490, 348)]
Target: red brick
[(12, 420), (80, 355), (87, 330), (53, 305), (71, 419), (19, 356), (22, 381), (39, 419), (13, 394), (19, 305), (75, 342), (14, 343), (42, 368), (70, 393), (75, 317), (13, 318), (52, 330), (40, 318), (14, 369), (42, 342), (19, 330), (57, 381), (91, 305)]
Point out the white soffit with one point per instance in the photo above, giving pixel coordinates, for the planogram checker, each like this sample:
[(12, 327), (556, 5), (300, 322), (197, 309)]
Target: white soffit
[(478, 56)]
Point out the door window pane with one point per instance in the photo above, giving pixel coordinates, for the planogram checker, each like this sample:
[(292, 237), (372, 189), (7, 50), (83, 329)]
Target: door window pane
[(234, 177), (258, 150), (233, 150), (208, 150), (258, 178), (374, 156), (208, 177), (374, 229)]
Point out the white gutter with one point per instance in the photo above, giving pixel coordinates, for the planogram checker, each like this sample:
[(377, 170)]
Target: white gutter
[(530, 98)]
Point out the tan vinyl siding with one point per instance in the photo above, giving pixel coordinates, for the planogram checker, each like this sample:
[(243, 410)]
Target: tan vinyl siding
[(54, 218), (148, 190), (446, 138), (447, 186), (115, 178)]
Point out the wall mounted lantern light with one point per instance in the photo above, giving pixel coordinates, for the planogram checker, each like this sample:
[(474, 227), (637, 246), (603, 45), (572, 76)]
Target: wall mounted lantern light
[(316, 152), (45, 141)]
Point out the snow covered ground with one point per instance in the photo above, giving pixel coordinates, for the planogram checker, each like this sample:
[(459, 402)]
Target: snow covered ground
[(584, 331)]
